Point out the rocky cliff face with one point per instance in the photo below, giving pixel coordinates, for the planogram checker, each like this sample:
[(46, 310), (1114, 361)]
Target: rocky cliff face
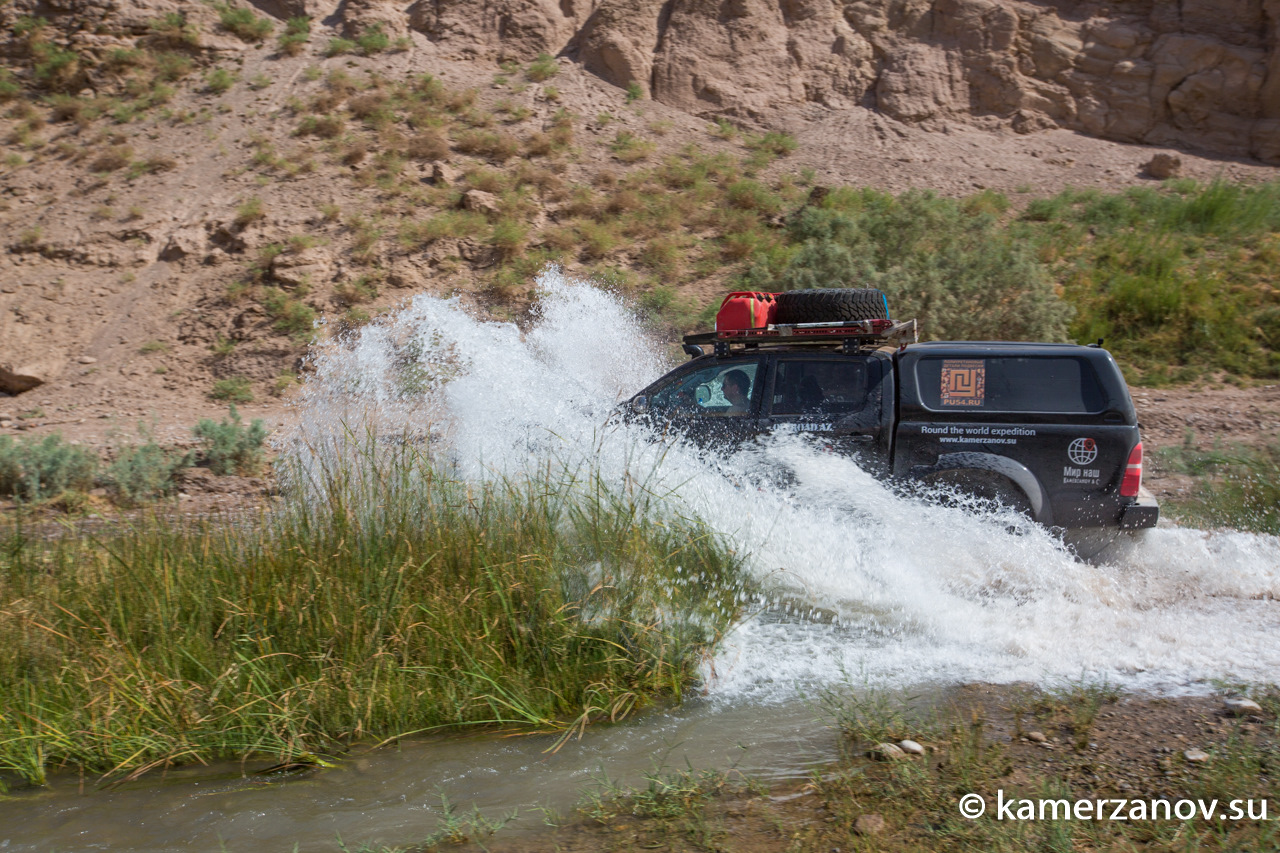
[(1202, 73)]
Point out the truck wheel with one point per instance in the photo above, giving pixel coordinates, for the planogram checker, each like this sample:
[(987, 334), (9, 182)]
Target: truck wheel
[(830, 306)]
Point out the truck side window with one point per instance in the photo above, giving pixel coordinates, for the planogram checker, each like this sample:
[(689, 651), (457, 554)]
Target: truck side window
[(834, 387), (716, 390), (1010, 384)]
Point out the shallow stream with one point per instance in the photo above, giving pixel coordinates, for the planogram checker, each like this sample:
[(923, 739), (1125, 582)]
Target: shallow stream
[(865, 588)]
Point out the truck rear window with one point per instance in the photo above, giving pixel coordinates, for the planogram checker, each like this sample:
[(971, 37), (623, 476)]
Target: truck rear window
[(1009, 384)]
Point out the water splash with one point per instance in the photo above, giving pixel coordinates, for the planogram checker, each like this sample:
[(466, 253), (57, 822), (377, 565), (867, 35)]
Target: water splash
[(863, 581)]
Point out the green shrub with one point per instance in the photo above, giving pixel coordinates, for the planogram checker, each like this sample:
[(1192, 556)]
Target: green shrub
[(1174, 279), (509, 237), (775, 143), (10, 88), (54, 68), (144, 472), (634, 92), (236, 389), (629, 148), (250, 211), (747, 194), (173, 31), (543, 68), (959, 273), (297, 32), (230, 447), (219, 80), (292, 316), (339, 46), (373, 40), (36, 469), (173, 66), (243, 23)]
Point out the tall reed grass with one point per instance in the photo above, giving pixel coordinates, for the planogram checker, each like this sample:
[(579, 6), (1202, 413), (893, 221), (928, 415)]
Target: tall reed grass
[(383, 597)]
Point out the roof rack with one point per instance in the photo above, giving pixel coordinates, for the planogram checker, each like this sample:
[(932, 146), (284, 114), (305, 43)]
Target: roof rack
[(852, 335)]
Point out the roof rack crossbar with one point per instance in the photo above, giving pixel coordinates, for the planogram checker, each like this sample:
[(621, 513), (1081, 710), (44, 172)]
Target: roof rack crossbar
[(849, 333)]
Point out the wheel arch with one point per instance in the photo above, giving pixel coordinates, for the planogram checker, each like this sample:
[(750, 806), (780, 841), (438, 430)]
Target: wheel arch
[(1015, 472)]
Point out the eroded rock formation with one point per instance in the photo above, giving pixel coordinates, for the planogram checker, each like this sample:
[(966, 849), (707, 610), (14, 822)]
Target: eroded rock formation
[(1204, 73)]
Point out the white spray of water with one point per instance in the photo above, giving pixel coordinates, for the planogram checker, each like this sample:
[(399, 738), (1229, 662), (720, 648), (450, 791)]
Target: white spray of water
[(875, 585)]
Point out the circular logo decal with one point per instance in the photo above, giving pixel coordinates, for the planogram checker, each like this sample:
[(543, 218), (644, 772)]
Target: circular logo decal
[(1082, 451)]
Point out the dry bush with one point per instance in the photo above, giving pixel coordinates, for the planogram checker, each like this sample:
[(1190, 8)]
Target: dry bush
[(563, 238), (325, 127), (489, 180), (430, 144), (115, 157), (159, 163), (624, 201), (373, 108), (539, 145), (326, 101), (495, 145), (354, 152), (548, 182), (456, 101), (584, 202)]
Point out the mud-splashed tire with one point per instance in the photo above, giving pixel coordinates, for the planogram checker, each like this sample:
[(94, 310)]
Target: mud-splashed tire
[(831, 306)]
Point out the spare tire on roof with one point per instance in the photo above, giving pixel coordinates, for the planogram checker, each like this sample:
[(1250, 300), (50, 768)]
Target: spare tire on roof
[(831, 306)]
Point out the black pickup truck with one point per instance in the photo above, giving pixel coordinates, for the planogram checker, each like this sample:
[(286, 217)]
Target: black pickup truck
[(1048, 429)]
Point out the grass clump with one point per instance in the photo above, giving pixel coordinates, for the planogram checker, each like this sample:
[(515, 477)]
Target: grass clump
[(384, 598), (230, 447), (35, 469)]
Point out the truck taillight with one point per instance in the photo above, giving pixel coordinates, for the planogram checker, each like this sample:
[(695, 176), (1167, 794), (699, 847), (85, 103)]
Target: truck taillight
[(1132, 481)]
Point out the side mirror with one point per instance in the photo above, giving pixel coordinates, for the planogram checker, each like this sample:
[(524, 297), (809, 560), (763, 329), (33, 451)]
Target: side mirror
[(640, 404)]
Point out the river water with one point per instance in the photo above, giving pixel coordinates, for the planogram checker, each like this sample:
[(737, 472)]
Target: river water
[(866, 589)]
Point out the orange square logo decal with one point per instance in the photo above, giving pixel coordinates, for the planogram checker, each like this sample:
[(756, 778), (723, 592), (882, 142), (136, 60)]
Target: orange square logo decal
[(964, 382)]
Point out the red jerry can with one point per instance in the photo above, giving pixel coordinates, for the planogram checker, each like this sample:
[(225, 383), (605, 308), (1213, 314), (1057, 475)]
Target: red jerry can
[(746, 309)]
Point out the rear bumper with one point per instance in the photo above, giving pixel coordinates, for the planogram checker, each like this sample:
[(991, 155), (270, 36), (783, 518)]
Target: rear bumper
[(1142, 513)]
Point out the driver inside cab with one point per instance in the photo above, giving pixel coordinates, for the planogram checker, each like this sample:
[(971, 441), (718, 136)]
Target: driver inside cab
[(736, 388)]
